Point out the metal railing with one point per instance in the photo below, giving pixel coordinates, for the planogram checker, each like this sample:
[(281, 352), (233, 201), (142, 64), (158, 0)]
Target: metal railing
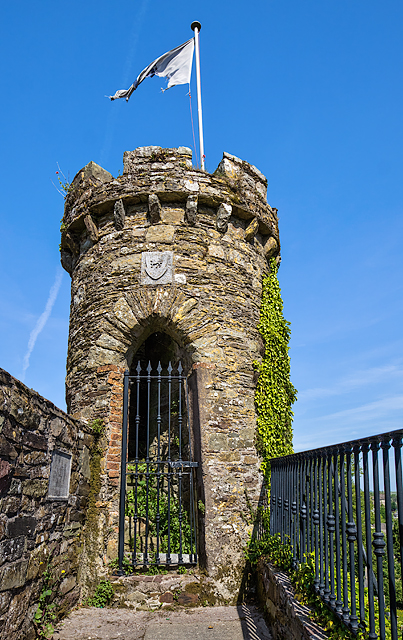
[(344, 505)]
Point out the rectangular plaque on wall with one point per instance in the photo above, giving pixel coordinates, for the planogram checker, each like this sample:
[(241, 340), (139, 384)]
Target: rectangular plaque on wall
[(59, 481)]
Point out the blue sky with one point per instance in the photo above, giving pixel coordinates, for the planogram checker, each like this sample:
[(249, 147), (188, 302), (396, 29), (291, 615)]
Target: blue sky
[(310, 93)]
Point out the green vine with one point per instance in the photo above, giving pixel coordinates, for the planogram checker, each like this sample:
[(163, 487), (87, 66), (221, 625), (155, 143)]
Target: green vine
[(274, 391)]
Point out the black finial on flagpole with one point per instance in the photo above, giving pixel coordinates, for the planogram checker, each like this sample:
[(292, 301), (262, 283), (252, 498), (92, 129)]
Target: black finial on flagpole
[(195, 25)]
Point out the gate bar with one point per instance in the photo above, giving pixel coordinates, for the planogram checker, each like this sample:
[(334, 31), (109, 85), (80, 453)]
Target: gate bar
[(123, 474)]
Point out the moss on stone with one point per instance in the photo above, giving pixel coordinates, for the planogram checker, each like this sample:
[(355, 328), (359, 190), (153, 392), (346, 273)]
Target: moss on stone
[(91, 530), (193, 587)]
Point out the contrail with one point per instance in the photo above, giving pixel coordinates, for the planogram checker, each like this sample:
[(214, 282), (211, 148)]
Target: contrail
[(42, 320)]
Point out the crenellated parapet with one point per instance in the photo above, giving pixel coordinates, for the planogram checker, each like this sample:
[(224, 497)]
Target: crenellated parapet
[(155, 177)]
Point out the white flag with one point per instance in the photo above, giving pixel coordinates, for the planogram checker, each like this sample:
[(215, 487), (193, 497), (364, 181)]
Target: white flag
[(175, 65)]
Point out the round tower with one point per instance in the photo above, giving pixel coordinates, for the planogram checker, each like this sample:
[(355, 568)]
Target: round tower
[(166, 262)]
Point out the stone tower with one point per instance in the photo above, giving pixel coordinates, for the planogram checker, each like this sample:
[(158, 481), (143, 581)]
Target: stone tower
[(213, 234)]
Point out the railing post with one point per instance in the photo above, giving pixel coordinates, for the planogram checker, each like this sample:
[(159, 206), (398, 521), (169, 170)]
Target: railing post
[(378, 539), (389, 539), (303, 509), (339, 603), (294, 535), (315, 520), (397, 444), (359, 536), (321, 549), (351, 537), (370, 575), (326, 592), (123, 462), (331, 529)]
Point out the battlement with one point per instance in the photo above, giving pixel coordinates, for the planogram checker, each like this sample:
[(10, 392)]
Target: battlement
[(156, 177)]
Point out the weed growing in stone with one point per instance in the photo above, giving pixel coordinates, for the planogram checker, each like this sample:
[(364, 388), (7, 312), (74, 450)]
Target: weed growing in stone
[(98, 427), (103, 595), (46, 611), (126, 565), (64, 184)]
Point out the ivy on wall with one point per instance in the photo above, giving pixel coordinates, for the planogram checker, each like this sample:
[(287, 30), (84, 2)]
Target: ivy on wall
[(275, 393)]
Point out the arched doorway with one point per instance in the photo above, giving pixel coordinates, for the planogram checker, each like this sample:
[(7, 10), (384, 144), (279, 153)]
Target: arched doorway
[(160, 523)]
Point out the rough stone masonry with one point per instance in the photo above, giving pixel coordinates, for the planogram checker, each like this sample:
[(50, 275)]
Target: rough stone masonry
[(170, 248)]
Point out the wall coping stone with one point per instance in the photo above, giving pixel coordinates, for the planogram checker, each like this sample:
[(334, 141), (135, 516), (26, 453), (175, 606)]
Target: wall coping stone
[(288, 618)]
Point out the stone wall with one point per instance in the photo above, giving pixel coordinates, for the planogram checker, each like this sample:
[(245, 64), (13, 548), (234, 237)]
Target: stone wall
[(216, 232), (42, 508), (288, 618)]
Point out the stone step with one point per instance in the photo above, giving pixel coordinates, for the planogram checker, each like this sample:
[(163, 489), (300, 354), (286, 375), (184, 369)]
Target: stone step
[(244, 622)]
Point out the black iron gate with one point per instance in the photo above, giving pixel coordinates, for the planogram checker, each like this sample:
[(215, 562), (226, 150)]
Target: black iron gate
[(157, 519)]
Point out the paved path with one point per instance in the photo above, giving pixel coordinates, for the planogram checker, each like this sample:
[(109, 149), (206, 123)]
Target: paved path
[(211, 623)]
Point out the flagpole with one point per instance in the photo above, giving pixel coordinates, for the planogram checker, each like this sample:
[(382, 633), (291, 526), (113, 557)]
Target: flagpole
[(196, 26)]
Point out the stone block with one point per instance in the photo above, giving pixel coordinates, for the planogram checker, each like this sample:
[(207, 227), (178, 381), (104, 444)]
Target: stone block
[(35, 488), (191, 209), (15, 487), (167, 597), (4, 602), (126, 263), (223, 215), (13, 575), (71, 529), (216, 251), (66, 259), (84, 463), (7, 449), (91, 228), (270, 248), (112, 549), (251, 230), (154, 208), (109, 342), (35, 441), (119, 215), (21, 526), (172, 215), (218, 442), (163, 233), (124, 313), (136, 596), (67, 585), (12, 549), (97, 357), (5, 476), (33, 458), (93, 170), (4, 469), (188, 599), (56, 427), (229, 456)]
